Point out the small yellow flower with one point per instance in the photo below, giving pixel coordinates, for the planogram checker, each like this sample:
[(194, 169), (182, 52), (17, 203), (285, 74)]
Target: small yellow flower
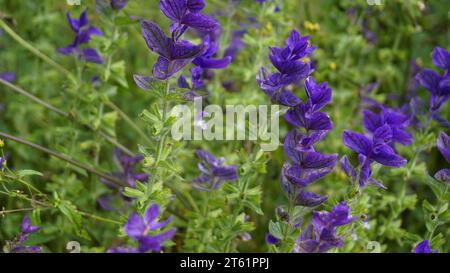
[(312, 27), (2, 143), (333, 66), (269, 27)]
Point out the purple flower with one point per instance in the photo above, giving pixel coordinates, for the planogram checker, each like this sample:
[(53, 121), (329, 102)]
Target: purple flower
[(397, 121), (118, 4), (288, 61), (213, 172), (308, 166), (126, 164), (8, 76), (303, 116), (437, 85), (123, 250), (424, 247), (185, 14), (25, 230), (369, 35), (271, 240), (306, 115), (191, 92), (441, 59), (126, 174), (370, 150), (139, 228), (236, 43), (443, 144), (83, 36), (174, 55), (207, 61), (320, 235), (271, 87)]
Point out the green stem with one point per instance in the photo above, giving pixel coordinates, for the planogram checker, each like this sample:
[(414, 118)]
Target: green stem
[(164, 116), (32, 49), (23, 182), (3, 212), (51, 206), (34, 98), (64, 158), (99, 218), (161, 141), (440, 202)]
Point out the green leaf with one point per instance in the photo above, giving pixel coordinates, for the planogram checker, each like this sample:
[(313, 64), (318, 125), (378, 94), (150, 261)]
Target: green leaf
[(254, 207), (23, 173), (133, 193), (438, 188), (427, 206), (275, 229), (70, 211)]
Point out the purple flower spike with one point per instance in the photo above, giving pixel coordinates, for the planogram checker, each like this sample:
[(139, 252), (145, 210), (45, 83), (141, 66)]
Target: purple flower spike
[(438, 85), (320, 235), (289, 63), (26, 227), (25, 230), (213, 173), (139, 228), (424, 247), (83, 34)]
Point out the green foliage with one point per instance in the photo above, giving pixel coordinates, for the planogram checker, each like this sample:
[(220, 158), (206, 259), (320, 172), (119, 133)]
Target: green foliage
[(94, 117)]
